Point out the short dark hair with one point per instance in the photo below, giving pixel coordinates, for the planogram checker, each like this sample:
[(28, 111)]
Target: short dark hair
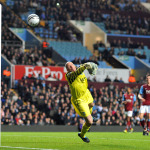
[(147, 75)]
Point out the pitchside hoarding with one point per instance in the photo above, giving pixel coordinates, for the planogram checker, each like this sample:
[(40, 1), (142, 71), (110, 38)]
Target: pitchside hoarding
[(54, 72), (112, 73), (59, 73)]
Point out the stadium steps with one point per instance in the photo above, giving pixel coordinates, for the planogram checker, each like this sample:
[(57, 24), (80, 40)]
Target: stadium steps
[(15, 92), (113, 6), (3, 1), (108, 64), (26, 50)]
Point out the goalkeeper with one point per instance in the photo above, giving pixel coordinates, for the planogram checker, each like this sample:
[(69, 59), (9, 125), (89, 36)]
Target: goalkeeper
[(81, 99)]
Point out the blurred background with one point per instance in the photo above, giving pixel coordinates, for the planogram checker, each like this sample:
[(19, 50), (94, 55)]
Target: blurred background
[(115, 34)]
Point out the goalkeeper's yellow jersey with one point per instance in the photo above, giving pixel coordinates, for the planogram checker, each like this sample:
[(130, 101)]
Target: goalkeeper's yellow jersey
[(77, 82)]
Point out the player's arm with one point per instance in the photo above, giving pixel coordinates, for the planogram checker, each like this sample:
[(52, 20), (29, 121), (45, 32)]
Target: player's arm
[(134, 100), (79, 70), (140, 95), (71, 76), (123, 100)]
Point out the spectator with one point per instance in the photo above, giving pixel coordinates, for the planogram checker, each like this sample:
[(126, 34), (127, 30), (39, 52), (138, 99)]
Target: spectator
[(75, 61), (132, 79), (107, 79), (40, 77), (121, 80), (100, 58), (96, 45), (143, 56), (19, 101), (45, 44), (84, 60), (116, 79), (6, 75)]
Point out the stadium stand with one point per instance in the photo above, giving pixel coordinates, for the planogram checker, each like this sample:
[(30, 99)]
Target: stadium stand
[(120, 48), (117, 24), (34, 56), (50, 12), (77, 50)]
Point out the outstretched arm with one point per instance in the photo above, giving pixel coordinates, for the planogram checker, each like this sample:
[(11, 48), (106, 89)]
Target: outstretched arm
[(71, 76)]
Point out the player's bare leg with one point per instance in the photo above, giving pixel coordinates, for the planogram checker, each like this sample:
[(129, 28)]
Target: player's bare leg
[(91, 109), (142, 121), (85, 128)]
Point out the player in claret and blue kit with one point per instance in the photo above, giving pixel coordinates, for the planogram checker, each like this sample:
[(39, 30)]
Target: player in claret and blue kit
[(144, 96), (129, 100)]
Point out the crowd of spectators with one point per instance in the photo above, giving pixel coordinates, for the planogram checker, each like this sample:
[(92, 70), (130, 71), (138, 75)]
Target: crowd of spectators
[(78, 61), (66, 32), (63, 10), (75, 9), (7, 35), (34, 56), (10, 19), (120, 44), (129, 46), (39, 103), (129, 5), (128, 25), (131, 52)]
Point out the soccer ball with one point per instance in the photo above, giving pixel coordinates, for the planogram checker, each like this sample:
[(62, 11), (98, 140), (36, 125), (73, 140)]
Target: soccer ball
[(33, 20)]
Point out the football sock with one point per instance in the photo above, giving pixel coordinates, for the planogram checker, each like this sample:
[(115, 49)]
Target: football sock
[(128, 125), (148, 124), (85, 129), (142, 121)]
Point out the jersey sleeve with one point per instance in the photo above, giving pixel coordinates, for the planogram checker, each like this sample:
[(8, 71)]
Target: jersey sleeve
[(71, 76), (141, 90), (134, 98), (123, 98)]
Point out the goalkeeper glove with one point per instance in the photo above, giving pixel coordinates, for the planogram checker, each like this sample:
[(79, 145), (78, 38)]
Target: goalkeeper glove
[(93, 69), (88, 65)]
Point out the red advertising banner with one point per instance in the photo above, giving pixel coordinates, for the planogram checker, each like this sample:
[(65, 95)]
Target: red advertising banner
[(25, 70)]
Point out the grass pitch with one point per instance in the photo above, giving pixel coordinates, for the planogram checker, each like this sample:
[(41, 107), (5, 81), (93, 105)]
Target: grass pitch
[(70, 141)]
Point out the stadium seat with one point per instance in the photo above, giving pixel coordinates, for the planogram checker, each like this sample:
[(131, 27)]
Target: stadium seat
[(77, 50)]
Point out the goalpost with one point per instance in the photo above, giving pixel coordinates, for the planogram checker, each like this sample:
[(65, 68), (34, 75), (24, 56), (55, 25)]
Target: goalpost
[(0, 63)]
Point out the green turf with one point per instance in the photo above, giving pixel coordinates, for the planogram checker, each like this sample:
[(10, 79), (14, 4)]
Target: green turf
[(70, 141)]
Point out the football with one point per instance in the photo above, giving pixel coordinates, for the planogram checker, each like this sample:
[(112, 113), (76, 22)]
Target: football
[(33, 20)]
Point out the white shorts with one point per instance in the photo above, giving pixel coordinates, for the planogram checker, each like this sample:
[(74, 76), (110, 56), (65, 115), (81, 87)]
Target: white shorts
[(129, 113), (145, 109)]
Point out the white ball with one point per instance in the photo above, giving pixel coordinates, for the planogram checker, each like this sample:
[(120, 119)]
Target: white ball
[(33, 20)]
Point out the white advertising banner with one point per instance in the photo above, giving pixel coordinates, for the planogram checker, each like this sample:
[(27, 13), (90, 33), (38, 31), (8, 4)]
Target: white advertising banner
[(112, 73)]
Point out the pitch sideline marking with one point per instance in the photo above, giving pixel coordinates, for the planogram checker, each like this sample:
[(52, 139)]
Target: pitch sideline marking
[(93, 138), (122, 139), (27, 148)]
